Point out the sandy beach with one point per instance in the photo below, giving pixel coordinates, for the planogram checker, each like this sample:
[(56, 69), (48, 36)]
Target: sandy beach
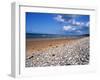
[(52, 52), (34, 45)]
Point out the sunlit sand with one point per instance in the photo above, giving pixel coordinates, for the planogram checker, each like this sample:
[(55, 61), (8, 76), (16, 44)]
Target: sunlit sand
[(57, 52)]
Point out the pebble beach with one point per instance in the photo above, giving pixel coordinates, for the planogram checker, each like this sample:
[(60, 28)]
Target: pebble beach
[(57, 52)]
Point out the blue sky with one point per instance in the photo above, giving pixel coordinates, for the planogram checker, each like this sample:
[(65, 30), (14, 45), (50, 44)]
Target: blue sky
[(67, 24)]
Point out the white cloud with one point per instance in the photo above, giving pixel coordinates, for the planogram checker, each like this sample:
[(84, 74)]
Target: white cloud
[(67, 28), (73, 29), (87, 24), (59, 18), (73, 21), (79, 31), (76, 23), (82, 23), (79, 23)]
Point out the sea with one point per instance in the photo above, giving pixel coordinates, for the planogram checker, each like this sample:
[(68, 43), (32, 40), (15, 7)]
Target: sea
[(38, 35)]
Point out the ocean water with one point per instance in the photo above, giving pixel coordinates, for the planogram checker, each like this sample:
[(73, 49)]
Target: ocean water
[(35, 35)]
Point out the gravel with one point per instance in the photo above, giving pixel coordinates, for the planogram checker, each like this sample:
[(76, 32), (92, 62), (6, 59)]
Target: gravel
[(76, 53)]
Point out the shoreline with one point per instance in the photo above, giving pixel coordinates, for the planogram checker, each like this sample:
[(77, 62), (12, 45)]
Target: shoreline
[(38, 39)]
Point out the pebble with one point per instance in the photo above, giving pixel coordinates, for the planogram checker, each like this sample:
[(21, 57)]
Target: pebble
[(67, 54)]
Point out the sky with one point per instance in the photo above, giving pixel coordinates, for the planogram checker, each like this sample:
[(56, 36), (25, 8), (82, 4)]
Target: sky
[(51, 23)]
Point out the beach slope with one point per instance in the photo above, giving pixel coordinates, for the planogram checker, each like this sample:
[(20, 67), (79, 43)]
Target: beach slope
[(57, 52)]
